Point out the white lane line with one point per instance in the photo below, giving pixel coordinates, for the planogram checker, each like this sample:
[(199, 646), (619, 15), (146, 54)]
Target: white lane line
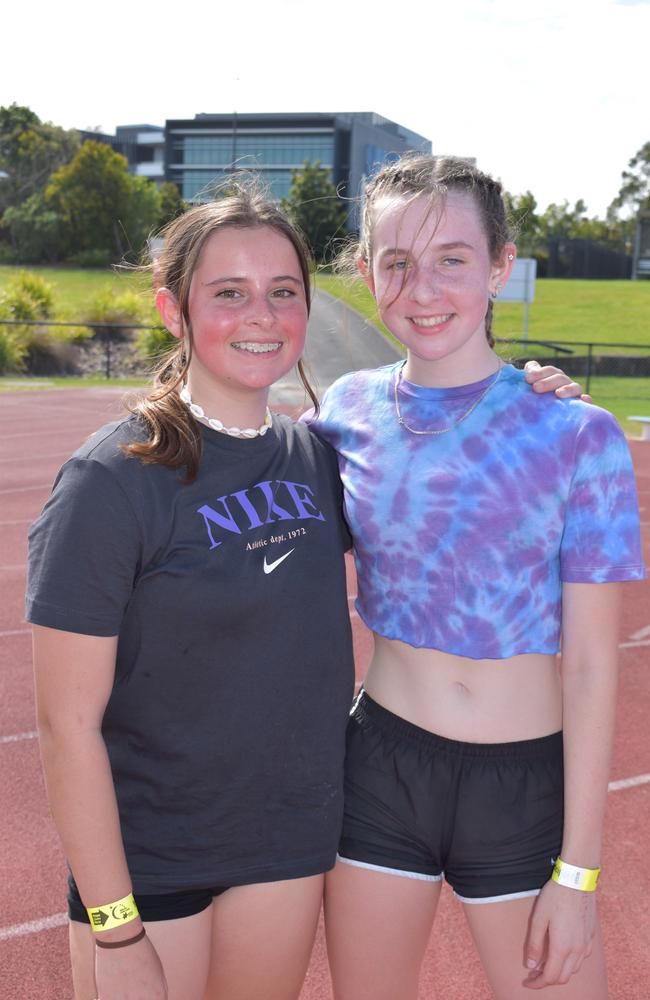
[(643, 633), (617, 786), (44, 924), (632, 645), (15, 631), (19, 737), (26, 489)]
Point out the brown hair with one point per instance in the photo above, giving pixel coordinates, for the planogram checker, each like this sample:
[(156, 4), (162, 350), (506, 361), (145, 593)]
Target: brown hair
[(174, 437), (414, 176)]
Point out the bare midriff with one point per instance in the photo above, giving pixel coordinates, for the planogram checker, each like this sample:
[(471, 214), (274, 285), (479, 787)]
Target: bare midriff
[(477, 701)]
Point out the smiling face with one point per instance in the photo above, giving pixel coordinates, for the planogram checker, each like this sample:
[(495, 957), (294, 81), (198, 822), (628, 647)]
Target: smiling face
[(432, 275), (248, 312)]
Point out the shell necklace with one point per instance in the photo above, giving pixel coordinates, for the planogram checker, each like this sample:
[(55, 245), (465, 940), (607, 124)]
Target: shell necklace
[(464, 416), (216, 425)]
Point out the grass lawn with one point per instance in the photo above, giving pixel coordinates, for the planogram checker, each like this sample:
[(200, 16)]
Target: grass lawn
[(74, 287), (607, 311)]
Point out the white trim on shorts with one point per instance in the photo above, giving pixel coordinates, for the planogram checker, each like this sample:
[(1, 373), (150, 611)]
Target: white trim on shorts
[(391, 871), (498, 899), (503, 898)]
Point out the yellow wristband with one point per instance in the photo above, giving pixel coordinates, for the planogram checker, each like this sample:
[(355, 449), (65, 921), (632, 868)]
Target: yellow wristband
[(585, 879), (104, 918)]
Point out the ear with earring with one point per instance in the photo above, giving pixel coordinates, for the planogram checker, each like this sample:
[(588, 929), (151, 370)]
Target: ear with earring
[(498, 286)]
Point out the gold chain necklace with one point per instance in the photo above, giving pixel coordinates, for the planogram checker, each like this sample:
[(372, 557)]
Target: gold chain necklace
[(443, 430)]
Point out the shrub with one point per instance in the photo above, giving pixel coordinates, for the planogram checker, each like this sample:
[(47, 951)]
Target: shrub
[(12, 353), (39, 291), (151, 344), (111, 346), (27, 297), (90, 258), (111, 311)]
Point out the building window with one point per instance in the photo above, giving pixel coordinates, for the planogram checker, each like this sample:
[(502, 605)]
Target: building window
[(202, 185), (254, 150)]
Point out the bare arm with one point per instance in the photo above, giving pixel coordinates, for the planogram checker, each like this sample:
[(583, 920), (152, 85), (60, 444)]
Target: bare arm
[(564, 919), (74, 677)]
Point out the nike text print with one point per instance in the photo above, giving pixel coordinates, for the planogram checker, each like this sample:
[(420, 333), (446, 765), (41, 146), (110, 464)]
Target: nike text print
[(264, 503)]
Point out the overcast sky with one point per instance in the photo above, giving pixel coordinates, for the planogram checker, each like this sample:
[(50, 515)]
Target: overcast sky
[(551, 96)]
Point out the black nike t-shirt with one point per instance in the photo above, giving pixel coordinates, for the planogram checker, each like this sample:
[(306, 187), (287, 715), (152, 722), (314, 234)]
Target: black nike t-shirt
[(234, 677)]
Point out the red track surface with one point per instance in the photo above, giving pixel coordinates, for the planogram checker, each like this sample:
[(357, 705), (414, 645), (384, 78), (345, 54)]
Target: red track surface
[(39, 429)]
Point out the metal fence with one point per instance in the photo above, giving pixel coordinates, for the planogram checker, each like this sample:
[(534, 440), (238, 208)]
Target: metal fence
[(584, 361), (109, 343), (620, 363), (569, 258)]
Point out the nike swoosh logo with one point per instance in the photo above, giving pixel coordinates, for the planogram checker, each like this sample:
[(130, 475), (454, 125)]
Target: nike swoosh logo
[(269, 567)]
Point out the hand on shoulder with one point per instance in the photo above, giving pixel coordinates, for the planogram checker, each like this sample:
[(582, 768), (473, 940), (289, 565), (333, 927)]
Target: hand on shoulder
[(551, 379)]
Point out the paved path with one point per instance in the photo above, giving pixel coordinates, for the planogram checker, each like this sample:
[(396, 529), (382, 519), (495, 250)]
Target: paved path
[(339, 340)]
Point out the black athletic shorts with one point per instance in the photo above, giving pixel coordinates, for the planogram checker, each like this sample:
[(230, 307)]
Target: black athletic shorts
[(165, 906), (485, 816)]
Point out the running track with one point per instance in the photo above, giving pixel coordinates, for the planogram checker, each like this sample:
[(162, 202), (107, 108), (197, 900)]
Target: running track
[(39, 429)]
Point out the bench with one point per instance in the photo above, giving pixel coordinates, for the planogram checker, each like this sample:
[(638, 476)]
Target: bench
[(645, 427)]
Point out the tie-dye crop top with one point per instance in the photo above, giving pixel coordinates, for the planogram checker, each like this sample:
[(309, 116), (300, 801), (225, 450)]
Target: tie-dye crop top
[(462, 541)]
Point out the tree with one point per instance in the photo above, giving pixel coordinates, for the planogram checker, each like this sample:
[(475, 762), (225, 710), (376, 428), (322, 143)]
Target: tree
[(562, 221), (36, 231), (522, 213), (104, 208), (171, 203), (30, 150), (634, 193), (314, 205), (143, 213)]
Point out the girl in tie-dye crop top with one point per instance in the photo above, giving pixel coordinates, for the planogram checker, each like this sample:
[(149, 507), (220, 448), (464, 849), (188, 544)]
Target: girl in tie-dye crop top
[(491, 527), (462, 542)]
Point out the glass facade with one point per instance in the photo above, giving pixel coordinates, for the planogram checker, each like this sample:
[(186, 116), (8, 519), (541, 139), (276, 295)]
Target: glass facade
[(376, 157), (200, 185), (202, 162), (254, 150)]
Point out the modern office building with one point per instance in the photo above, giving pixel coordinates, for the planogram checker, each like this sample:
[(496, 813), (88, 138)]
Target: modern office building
[(144, 148), (201, 151), (198, 153), (142, 145)]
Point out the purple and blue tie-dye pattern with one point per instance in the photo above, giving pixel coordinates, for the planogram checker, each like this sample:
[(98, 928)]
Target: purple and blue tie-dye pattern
[(462, 540)]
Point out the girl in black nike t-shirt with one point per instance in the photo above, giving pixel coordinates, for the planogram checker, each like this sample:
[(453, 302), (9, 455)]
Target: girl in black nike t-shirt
[(192, 643)]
